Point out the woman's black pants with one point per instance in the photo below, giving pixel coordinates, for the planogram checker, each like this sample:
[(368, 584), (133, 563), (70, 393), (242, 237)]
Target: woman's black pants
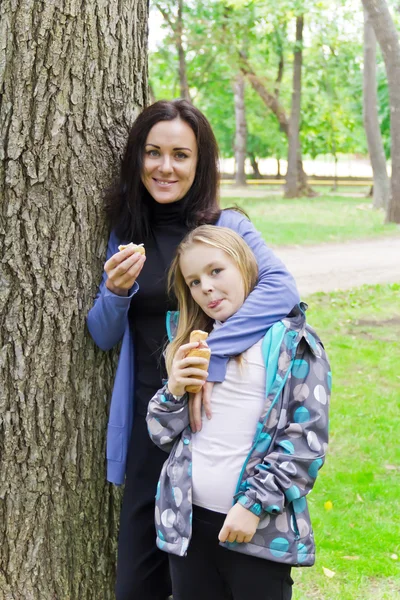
[(142, 569), (212, 572)]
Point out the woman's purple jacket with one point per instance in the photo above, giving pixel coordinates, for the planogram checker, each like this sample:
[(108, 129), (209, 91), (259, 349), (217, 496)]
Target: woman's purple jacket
[(271, 300)]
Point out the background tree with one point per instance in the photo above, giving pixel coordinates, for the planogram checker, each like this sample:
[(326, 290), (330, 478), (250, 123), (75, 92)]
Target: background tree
[(388, 39), (241, 131), (72, 79), (173, 15), (381, 188), (332, 75), (293, 187)]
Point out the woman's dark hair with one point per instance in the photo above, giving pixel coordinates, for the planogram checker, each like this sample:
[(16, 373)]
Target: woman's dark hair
[(127, 200)]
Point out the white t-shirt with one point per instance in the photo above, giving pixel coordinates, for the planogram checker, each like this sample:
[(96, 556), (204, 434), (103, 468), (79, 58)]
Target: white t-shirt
[(221, 447)]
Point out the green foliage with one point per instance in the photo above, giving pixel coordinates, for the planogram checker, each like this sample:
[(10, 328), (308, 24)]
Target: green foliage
[(215, 31)]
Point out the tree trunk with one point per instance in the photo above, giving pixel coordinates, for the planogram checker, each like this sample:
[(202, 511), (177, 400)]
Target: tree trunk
[(254, 166), (292, 187), (241, 131), (388, 39), (272, 102), (73, 77), (183, 82), (381, 188), (176, 26)]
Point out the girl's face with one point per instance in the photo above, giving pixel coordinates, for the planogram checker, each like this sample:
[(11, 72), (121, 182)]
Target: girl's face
[(170, 160), (214, 280)]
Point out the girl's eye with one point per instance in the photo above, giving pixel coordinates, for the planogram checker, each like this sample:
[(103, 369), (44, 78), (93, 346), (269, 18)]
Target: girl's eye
[(152, 153), (194, 283), (216, 271), (181, 155)]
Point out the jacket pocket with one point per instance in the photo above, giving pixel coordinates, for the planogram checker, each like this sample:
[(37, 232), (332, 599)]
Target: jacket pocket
[(114, 443), (293, 521)]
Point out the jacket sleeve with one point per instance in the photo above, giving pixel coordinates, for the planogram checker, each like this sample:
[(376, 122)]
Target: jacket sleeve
[(272, 299), (288, 471), (108, 316), (167, 417)]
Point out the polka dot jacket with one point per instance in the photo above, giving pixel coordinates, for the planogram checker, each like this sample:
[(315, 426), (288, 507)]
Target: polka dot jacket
[(288, 450)]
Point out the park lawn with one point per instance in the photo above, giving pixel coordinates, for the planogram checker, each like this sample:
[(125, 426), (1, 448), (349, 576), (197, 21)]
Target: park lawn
[(359, 538), (312, 220)]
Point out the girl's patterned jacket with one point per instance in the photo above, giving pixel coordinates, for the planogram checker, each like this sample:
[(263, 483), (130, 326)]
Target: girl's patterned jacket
[(288, 449)]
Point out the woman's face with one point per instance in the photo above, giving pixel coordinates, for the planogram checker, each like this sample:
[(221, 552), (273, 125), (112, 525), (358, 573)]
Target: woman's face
[(214, 280), (170, 160)]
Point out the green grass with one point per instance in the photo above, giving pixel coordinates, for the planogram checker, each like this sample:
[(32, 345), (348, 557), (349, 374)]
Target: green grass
[(361, 477), (312, 220)]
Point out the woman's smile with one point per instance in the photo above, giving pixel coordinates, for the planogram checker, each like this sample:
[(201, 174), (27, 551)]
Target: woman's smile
[(170, 160)]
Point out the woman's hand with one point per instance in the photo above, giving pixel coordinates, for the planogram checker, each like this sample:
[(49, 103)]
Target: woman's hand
[(185, 370), (122, 270), (239, 526), (203, 397)]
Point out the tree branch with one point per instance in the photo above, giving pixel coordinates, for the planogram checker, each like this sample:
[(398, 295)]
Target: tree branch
[(269, 99)]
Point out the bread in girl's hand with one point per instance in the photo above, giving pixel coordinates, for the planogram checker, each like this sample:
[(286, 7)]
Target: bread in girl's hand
[(136, 248), (203, 351)]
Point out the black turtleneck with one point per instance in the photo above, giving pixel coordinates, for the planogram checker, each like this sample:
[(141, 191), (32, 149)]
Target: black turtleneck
[(149, 306)]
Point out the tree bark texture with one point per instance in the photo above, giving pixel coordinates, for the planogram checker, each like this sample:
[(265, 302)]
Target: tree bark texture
[(241, 131), (272, 102), (292, 186), (73, 77), (381, 188), (388, 40)]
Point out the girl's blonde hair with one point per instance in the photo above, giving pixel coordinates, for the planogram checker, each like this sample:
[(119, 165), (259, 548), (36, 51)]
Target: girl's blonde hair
[(190, 314)]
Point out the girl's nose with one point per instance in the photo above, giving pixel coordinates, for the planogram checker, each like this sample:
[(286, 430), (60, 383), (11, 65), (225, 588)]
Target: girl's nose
[(207, 287)]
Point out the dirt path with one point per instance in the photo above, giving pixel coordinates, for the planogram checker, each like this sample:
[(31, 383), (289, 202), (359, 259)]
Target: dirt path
[(328, 267)]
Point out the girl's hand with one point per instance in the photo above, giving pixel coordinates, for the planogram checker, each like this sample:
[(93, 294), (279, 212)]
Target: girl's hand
[(203, 397), (240, 525), (185, 371), (122, 270)]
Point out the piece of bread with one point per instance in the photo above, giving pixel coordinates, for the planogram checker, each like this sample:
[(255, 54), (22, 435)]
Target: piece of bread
[(202, 352), (198, 335), (136, 248)]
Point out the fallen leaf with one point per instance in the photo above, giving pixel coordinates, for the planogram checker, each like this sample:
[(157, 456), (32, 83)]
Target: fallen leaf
[(391, 467), (394, 557), (328, 572), (359, 498), (351, 557), (328, 505)]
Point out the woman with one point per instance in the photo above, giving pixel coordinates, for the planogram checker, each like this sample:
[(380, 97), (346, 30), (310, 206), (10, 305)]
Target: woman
[(168, 185)]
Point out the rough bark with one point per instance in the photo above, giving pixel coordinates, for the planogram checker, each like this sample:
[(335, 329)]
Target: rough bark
[(272, 102), (388, 40), (241, 131), (72, 77), (381, 187), (292, 187)]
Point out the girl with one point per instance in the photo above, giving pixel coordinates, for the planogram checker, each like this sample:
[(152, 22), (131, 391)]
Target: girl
[(231, 506), (167, 186)]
